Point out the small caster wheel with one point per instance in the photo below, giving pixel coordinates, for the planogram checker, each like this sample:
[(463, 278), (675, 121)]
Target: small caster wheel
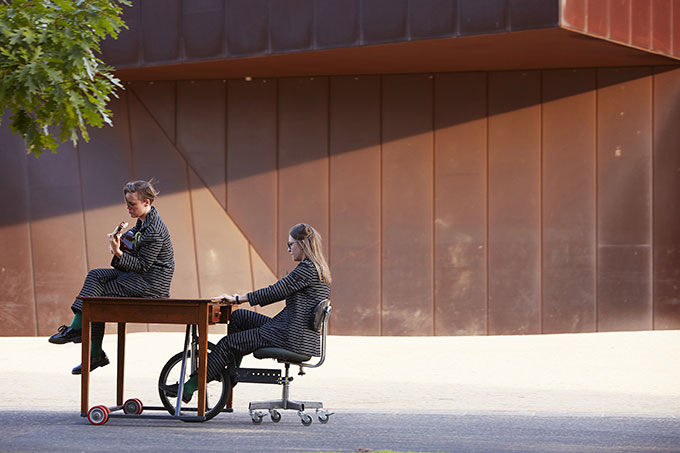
[(98, 415), (275, 415), (323, 415), (133, 406), (305, 419), (256, 418)]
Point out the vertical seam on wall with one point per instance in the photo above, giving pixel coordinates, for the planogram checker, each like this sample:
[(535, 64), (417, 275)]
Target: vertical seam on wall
[(433, 241), (540, 206), (30, 249), (380, 207), (82, 204), (127, 105), (225, 83), (193, 224), (597, 196), (174, 129), (486, 202), (278, 170), (328, 173), (652, 197)]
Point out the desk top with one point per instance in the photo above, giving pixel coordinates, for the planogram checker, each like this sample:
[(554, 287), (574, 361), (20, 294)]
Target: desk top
[(154, 310)]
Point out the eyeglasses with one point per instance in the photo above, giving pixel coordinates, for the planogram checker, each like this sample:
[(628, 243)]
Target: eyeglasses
[(290, 244)]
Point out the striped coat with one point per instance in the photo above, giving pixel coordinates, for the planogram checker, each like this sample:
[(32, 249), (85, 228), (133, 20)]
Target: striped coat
[(148, 269), (291, 328)]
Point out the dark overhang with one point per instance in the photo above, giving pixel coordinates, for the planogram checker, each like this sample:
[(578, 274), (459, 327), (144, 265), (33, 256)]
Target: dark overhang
[(169, 39)]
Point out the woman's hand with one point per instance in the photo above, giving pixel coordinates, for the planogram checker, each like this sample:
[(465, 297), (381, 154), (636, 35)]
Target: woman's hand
[(114, 244), (224, 299)]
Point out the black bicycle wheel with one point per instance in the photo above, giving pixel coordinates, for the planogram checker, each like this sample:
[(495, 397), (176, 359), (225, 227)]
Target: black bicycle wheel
[(217, 392)]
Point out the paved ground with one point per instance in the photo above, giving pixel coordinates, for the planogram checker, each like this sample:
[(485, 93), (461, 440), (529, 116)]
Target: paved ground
[(575, 392)]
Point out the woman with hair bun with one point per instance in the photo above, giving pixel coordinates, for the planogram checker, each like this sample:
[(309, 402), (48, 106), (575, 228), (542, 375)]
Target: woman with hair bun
[(143, 270), (303, 288)]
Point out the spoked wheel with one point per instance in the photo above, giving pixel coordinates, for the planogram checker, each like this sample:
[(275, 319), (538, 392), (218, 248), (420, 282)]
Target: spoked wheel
[(217, 392)]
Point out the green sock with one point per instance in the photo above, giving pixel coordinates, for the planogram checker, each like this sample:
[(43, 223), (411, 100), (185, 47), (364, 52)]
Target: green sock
[(76, 323), (191, 385), (96, 347)]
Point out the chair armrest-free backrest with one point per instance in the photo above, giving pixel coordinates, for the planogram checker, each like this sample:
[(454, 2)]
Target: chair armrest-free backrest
[(321, 314)]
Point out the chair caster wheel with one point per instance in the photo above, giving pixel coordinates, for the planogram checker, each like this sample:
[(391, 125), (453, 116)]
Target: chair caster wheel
[(305, 418), (256, 417), (323, 415), (275, 415)]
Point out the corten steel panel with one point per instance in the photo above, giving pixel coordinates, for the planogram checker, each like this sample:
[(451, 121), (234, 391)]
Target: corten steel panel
[(302, 160), (527, 14), (106, 165), (460, 204), (514, 203), (662, 33), (161, 28), (355, 204), (573, 14), (222, 253), (263, 276), (293, 24), (641, 23), (247, 26), (203, 28), (337, 23), (251, 163), (125, 49), (568, 196), (159, 99), (624, 199), (56, 210), (666, 202), (384, 20), (407, 205), (482, 16), (619, 20), (200, 131), (433, 18), (676, 28), (598, 18), (17, 299), (154, 156)]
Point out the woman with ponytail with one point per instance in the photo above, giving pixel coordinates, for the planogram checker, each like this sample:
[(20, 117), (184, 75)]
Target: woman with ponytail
[(303, 288)]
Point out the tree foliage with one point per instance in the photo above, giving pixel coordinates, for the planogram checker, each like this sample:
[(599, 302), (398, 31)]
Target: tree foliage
[(51, 80)]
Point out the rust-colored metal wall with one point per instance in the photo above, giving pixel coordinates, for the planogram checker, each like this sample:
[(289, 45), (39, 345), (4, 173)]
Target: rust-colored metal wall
[(451, 204)]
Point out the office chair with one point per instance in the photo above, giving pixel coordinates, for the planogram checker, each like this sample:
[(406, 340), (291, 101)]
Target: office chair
[(257, 408)]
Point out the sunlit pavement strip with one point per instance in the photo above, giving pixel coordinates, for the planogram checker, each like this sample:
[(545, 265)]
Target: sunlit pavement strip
[(620, 373)]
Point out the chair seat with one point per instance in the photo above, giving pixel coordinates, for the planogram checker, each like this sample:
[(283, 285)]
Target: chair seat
[(280, 354)]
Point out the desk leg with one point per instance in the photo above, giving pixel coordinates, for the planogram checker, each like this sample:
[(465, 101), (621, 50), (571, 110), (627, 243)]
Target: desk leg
[(202, 357), (85, 360), (121, 363)]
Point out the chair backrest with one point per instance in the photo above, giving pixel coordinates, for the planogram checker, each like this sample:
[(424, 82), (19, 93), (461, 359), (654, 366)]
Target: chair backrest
[(321, 314), (320, 323)]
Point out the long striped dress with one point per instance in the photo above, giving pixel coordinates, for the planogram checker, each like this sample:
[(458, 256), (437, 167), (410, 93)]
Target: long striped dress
[(146, 271), (290, 329)]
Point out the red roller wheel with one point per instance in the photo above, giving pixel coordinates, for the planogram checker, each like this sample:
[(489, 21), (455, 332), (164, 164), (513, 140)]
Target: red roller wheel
[(98, 415), (141, 406), (132, 406)]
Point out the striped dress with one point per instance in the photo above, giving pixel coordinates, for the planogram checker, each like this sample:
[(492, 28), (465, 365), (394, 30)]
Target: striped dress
[(146, 271), (290, 329)]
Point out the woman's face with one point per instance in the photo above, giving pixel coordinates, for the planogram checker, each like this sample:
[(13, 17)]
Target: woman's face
[(135, 206), (295, 249)]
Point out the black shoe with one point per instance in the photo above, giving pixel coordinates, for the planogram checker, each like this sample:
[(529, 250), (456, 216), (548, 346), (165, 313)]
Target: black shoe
[(66, 335), (95, 362), (171, 391)]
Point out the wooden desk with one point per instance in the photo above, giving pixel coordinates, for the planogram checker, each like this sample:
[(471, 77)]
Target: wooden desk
[(122, 310)]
